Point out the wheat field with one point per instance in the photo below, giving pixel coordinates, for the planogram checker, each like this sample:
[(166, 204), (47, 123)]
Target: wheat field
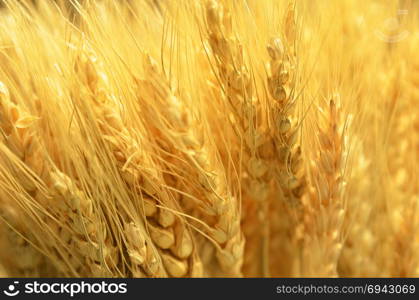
[(219, 138)]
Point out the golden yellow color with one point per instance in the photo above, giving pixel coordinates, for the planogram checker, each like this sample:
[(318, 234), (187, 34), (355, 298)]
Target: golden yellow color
[(212, 138)]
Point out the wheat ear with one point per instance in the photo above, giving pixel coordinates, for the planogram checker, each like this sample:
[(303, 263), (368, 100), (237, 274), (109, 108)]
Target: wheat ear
[(77, 223), (184, 136), (290, 181), (325, 206), (168, 231), (238, 91)]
